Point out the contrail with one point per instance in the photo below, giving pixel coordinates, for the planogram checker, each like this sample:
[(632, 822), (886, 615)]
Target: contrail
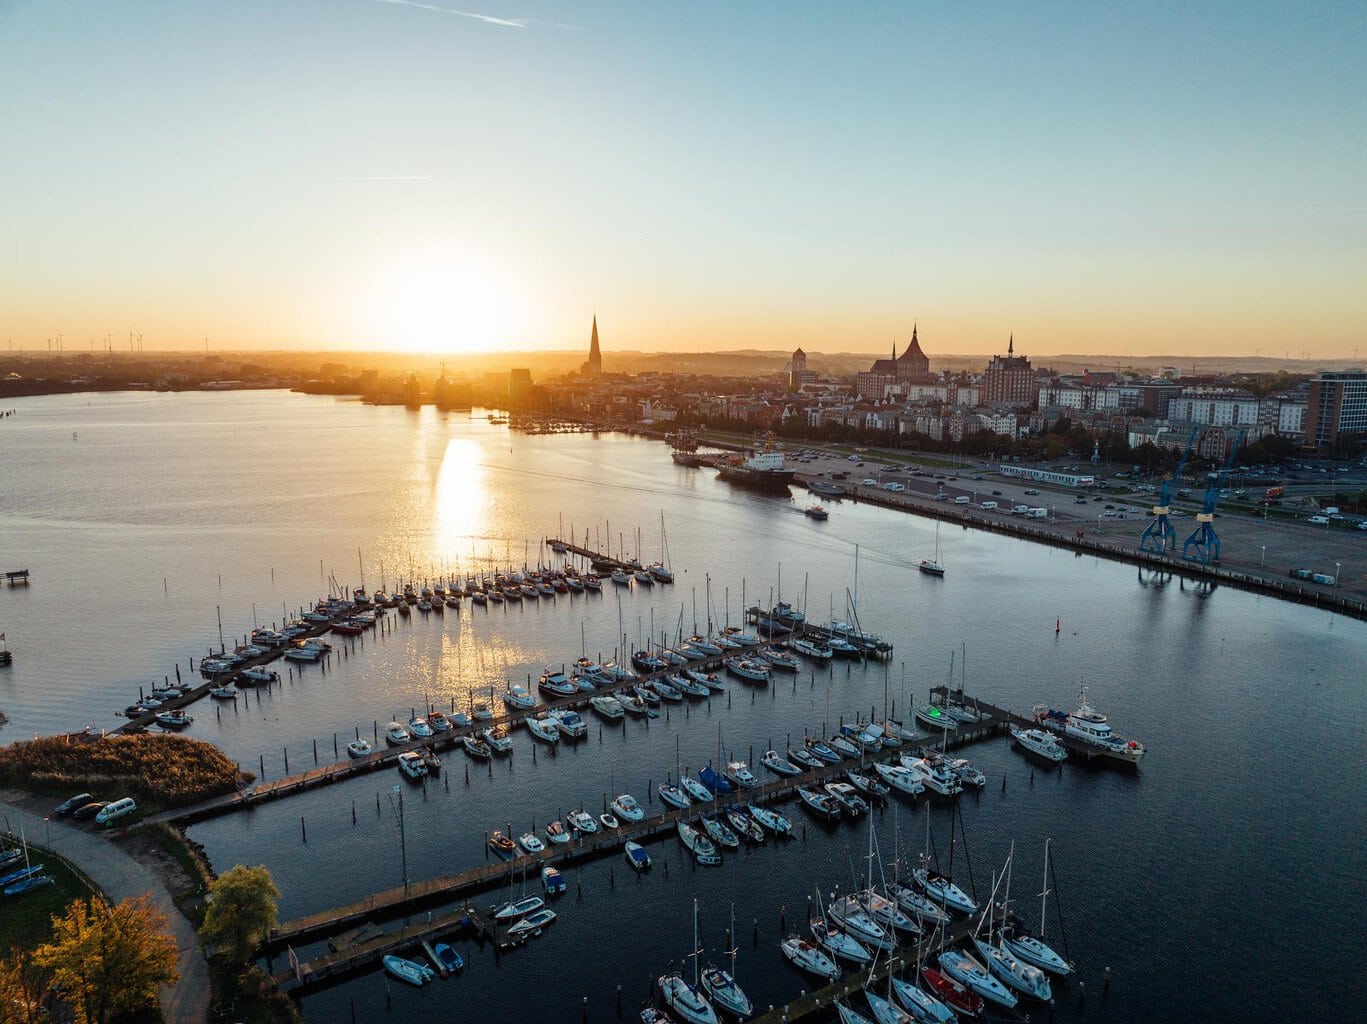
[(488, 19)]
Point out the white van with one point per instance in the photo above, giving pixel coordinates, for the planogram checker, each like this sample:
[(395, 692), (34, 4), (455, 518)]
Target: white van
[(963, 499), (1319, 520), (117, 809), (1037, 513), (893, 486), (1020, 510), (988, 506)]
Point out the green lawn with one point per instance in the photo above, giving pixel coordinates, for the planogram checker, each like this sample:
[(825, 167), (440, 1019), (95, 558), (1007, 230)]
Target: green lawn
[(26, 921)]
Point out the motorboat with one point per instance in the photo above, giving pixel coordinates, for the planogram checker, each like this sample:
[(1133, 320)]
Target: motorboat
[(943, 892), (807, 957), (557, 684), (439, 722), (626, 808), (778, 764), (698, 844), (743, 824), (476, 747), (645, 695), (582, 821), (771, 820), (820, 804), (811, 647), (695, 789), (957, 997), (570, 723), (543, 728), (358, 748), (1090, 729), (481, 713), (917, 904), (719, 832), (532, 924), (609, 821), (460, 720), (632, 704), (673, 795), (816, 512), (843, 648), (1023, 977), (498, 739), (555, 833), (740, 775), (748, 669), (804, 759), (411, 764), (502, 845), (933, 716), (933, 774), (419, 728), (607, 706), (530, 842), (822, 750), (395, 734), (518, 697), (409, 970), (838, 943), (885, 1011), (966, 772), (923, 1006), (715, 781), (552, 881), (517, 909), (637, 856), (228, 692), (722, 987), (685, 1000), (621, 578), (260, 675), (867, 785), (850, 801), (1039, 743), (968, 972), (177, 719), (851, 915)]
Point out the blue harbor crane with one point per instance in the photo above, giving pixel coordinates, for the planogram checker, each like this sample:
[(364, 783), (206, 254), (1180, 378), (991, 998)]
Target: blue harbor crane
[(1159, 537), (1204, 544)]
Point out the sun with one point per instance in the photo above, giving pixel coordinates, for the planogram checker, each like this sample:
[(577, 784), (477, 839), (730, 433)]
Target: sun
[(442, 302)]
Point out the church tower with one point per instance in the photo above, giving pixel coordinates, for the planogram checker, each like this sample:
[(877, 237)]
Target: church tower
[(594, 366)]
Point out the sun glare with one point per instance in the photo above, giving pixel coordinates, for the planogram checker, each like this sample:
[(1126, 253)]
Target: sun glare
[(442, 302)]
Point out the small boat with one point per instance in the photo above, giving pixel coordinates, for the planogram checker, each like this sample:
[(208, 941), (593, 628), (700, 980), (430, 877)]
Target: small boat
[(779, 659), (409, 970), (449, 958), (943, 892), (819, 804), (867, 784), (904, 780), (703, 644), (518, 697), (777, 764), (966, 772), (1033, 950), (772, 820), (531, 843), (571, 724), (476, 747), (607, 706), (715, 781), (411, 764), (637, 856), (14, 877), (516, 909), (1039, 743), (815, 512), (933, 774), (698, 844), (809, 958), (685, 1000), (27, 885), (582, 821), (852, 916), (744, 825), (843, 746), (850, 801), (544, 729), (419, 728), (555, 833), (839, 944), (887, 913), (260, 675), (173, 719), (626, 808), (739, 773), (804, 759), (695, 789), (935, 717), (667, 690), (632, 704), (552, 881), (884, 1011), (481, 713), (849, 1016), (439, 722), (609, 821), (821, 750), (917, 905), (968, 972), (358, 748), (646, 695), (673, 795), (395, 734), (811, 647), (532, 924), (497, 738), (957, 997), (228, 692), (750, 670), (692, 687), (1024, 978), (620, 578), (502, 845)]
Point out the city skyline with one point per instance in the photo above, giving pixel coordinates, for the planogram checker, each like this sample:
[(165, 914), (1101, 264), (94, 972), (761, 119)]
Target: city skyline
[(403, 176)]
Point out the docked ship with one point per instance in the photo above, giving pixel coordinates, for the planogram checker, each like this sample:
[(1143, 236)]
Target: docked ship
[(765, 471), (1089, 731), (684, 449)]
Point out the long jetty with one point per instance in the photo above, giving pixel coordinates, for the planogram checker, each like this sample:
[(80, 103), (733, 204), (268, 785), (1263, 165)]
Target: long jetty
[(402, 900)]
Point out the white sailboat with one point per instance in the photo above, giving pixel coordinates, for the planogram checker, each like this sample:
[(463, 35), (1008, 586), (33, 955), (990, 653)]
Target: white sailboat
[(1032, 948), (683, 997), (722, 986), (934, 566)]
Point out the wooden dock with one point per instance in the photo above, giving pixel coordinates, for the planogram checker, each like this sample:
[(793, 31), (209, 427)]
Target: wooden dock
[(17, 577)]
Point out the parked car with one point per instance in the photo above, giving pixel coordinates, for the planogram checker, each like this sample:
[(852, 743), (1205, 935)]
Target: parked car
[(1319, 520), (67, 806), (88, 810)]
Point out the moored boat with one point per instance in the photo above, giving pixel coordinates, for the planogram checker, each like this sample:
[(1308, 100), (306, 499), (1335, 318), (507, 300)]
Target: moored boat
[(1039, 743), (408, 970), (808, 957)]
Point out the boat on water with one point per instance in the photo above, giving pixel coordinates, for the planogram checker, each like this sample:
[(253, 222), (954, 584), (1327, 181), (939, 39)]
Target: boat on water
[(449, 958), (530, 842), (849, 1016), (943, 891), (582, 821), (395, 734), (957, 997), (1090, 729), (917, 904), (555, 833), (751, 670), (637, 856), (933, 774), (719, 832), (811, 647), (771, 820), (903, 780), (502, 845), (176, 720), (1025, 978), (778, 764), (695, 789), (867, 785), (685, 998), (715, 781), (822, 750), (515, 909), (698, 844), (557, 683), (966, 772), (664, 690), (808, 957), (851, 916), (1039, 743), (497, 738), (409, 970), (693, 687), (778, 658), (608, 706), (476, 747), (935, 717), (816, 512), (419, 728), (25, 885), (570, 723), (673, 795), (518, 697), (850, 801), (1028, 946), (933, 566), (887, 913), (543, 728), (626, 808), (739, 774), (967, 971), (838, 943), (532, 924), (260, 675), (804, 759), (765, 470), (843, 746), (820, 804), (439, 722), (411, 765), (228, 692), (743, 824), (552, 881), (885, 1011), (632, 704)]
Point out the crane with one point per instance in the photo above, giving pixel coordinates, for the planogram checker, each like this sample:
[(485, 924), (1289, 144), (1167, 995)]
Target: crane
[(1159, 537), (1204, 544)]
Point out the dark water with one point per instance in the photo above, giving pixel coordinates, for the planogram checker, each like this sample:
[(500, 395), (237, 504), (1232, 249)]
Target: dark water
[(1230, 865)]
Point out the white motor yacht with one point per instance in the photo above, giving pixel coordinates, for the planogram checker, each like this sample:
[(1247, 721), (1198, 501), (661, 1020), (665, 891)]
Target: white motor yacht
[(607, 706), (519, 697), (626, 808), (543, 728), (395, 734), (582, 821), (411, 764), (933, 774), (531, 842), (419, 728), (358, 748), (1039, 743), (739, 773), (570, 723)]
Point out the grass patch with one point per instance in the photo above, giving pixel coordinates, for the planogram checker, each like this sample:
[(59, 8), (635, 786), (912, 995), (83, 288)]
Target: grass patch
[(158, 771), (27, 920)]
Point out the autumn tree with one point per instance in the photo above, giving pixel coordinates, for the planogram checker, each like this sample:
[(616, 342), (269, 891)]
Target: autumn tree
[(22, 987), (109, 961), (241, 912)]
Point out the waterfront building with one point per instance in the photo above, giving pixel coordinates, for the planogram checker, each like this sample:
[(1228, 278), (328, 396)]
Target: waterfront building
[(1337, 408)]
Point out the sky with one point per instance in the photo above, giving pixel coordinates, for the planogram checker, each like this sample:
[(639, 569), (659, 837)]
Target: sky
[(384, 174)]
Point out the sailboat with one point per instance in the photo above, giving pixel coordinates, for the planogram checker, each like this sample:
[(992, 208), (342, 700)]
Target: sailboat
[(722, 986), (1021, 976), (683, 998), (1031, 948), (933, 566)]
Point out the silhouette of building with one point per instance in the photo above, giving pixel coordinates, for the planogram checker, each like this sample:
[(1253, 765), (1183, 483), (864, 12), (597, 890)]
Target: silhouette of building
[(797, 370), (1009, 379), (894, 374), (519, 386), (1337, 408), (594, 366)]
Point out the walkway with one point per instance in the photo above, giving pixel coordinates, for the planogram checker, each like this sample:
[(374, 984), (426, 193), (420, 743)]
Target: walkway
[(119, 876)]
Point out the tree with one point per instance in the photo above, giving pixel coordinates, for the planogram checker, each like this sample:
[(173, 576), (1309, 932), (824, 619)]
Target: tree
[(241, 912), (108, 961), (22, 987)]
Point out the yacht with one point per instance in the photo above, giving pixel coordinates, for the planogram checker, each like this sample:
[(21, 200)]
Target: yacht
[(966, 772), (476, 747), (607, 706), (944, 892), (439, 722), (809, 958), (748, 669), (666, 690), (779, 659), (543, 728), (739, 773), (816, 512), (868, 785), (777, 764), (570, 723), (935, 717), (673, 795), (557, 684), (519, 697), (887, 913), (851, 915), (411, 764), (715, 781), (771, 820), (637, 857), (933, 774), (1039, 743), (968, 972), (686, 1001), (698, 844), (531, 843), (695, 789), (1033, 950), (502, 845), (843, 746), (917, 905), (821, 750), (260, 675), (626, 808), (960, 999), (811, 647), (1024, 978), (497, 738), (395, 734), (555, 833), (820, 804), (803, 759), (850, 801), (358, 748), (419, 728), (703, 644), (722, 987), (582, 821), (838, 943), (884, 1011), (228, 692), (719, 832), (1091, 729), (518, 909), (552, 881)]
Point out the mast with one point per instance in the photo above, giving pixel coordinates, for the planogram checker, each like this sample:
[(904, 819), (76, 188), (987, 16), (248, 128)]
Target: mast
[(696, 951), (1044, 892)]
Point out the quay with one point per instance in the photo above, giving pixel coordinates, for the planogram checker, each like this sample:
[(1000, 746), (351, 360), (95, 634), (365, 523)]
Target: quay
[(487, 877)]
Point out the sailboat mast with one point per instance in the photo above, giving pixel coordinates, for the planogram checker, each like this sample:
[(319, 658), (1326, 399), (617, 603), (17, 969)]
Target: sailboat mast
[(1044, 890)]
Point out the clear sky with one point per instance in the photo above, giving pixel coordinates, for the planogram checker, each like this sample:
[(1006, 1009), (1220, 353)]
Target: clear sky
[(1101, 178)]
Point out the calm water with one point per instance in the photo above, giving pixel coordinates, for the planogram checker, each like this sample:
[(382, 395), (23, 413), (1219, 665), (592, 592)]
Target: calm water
[(1231, 864)]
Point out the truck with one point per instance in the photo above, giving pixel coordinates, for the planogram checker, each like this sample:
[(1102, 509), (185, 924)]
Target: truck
[(1274, 492)]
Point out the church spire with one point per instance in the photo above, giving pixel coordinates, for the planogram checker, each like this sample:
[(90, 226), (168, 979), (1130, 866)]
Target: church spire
[(595, 364), (1011, 344)]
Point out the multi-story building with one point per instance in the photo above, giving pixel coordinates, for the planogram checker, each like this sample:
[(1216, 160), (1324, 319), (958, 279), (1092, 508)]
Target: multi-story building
[(1337, 408), (1224, 407), (1009, 379), (895, 375)]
